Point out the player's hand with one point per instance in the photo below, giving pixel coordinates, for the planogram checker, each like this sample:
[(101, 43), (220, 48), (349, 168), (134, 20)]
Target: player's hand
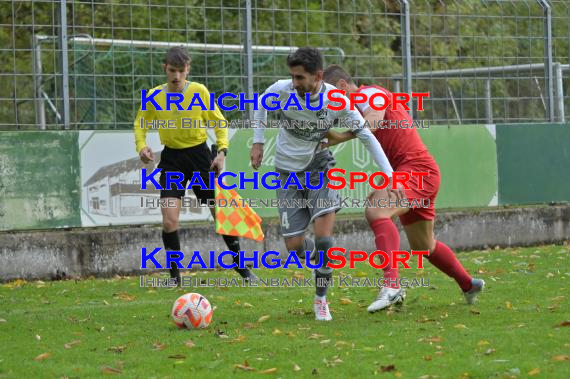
[(146, 155), (256, 155), (396, 193), (218, 163)]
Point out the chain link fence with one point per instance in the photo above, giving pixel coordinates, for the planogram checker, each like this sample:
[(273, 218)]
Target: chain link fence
[(82, 64)]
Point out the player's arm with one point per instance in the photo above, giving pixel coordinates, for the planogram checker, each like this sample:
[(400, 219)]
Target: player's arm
[(259, 119), (367, 138), (373, 117), (145, 153)]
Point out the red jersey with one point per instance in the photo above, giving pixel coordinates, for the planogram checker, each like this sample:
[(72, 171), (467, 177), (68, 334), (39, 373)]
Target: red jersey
[(400, 145)]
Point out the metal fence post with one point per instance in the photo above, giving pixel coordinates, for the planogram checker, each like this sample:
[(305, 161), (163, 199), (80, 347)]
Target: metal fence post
[(64, 62), (488, 103), (559, 92), (547, 11), (249, 56), (407, 50)]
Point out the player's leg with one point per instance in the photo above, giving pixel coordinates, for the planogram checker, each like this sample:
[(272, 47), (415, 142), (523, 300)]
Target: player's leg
[(323, 227), (232, 242), (200, 158), (294, 221), (325, 203), (170, 238), (421, 237), (387, 239), (170, 161)]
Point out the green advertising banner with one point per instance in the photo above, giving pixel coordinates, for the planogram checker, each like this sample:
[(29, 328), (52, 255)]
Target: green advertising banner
[(39, 180), (534, 162), (466, 155), (54, 179)]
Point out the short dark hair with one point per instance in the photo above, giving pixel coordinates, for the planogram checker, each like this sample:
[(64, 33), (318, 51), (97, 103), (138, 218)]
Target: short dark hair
[(177, 56), (309, 57), (334, 73)]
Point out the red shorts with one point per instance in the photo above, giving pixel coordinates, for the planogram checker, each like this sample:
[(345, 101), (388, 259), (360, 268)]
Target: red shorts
[(429, 192)]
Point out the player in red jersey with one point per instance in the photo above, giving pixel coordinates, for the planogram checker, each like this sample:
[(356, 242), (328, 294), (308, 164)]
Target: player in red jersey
[(406, 152)]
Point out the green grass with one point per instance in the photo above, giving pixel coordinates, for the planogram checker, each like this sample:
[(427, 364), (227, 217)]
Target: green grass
[(97, 327)]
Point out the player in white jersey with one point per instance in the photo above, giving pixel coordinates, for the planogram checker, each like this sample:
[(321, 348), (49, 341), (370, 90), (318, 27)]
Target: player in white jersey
[(298, 150)]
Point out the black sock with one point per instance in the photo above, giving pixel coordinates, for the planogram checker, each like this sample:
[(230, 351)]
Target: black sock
[(323, 275), (324, 281), (172, 243), (233, 245)]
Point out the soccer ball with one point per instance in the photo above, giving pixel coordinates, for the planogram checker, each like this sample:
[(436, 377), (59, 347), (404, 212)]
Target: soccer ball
[(192, 311)]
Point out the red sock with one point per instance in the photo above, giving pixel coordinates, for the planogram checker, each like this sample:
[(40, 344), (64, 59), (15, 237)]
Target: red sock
[(445, 260), (387, 239)]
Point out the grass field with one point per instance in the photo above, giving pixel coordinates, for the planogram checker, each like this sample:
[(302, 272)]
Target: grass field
[(99, 327)]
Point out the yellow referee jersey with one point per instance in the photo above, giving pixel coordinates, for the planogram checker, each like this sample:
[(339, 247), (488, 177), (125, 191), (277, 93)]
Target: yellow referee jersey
[(171, 133)]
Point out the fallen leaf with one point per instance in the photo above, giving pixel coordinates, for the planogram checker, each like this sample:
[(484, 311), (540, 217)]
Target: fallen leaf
[(561, 358), (117, 349), (244, 367), (564, 323), (460, 326), (124, 296), (158, 346), (427, 358), (314, 336), (189, 344), (110, 370), (534, 371), (269, 371), (70, 344), (42, 356), (489, 351), (508, 305), (475, 312), (249, 325), (323, 342), (38, 337), (387, 368), (434, 339), (247, 305), (345, 301), (2, 320), (296, 367), (483, 343), (340, 344), (277, 332), (177, 356), (264, 318), (239, 338)]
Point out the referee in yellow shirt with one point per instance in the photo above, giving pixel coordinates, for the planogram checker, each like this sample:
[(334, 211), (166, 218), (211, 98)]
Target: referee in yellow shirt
[(185, 150)]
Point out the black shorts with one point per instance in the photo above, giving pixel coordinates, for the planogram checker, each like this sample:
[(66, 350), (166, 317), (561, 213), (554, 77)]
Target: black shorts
[(187, 161)]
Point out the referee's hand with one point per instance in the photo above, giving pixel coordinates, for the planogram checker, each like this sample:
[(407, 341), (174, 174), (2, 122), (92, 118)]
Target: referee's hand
[(146, 155), (218, 163), (256, 155)]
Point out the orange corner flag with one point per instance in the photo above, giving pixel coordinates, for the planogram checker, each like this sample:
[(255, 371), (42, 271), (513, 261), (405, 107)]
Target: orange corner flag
[(237, 219)]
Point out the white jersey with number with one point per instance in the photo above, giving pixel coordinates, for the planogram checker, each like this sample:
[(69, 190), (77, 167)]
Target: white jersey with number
[(296, 146)]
